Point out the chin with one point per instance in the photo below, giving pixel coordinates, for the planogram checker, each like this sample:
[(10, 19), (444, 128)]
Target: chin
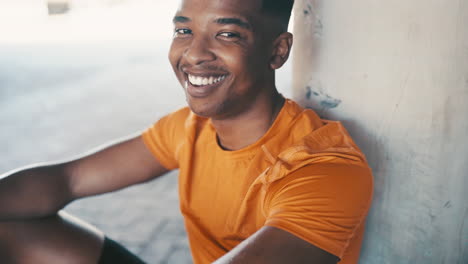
[(203, 110)]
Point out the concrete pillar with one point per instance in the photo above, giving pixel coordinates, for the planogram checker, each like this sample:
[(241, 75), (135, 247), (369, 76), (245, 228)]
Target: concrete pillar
[(396, 73)]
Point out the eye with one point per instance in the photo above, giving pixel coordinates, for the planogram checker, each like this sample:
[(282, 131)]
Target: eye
[(182, 32), (229, 35)]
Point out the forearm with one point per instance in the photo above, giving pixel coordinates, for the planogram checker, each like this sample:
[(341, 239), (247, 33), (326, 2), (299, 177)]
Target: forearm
[(34, 192)]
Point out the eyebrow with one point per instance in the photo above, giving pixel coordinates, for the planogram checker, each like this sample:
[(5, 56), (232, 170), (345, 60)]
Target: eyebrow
[(181, 19), (233, 21), (222, 21)]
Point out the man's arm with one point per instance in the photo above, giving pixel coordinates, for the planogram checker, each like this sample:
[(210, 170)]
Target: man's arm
[(275, 246), (43, 190), (323, 203)]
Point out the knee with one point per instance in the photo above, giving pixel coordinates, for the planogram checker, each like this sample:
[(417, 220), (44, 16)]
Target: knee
[(7, 232), (22, 230), (9, 243), (50, 240), (20, 242)]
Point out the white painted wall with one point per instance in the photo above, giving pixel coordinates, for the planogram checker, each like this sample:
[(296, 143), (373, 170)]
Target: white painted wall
[(396, 73)]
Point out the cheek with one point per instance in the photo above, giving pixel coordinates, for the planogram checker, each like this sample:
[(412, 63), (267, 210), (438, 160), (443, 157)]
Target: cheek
[(241, 64), (172, 56), (250, 69)]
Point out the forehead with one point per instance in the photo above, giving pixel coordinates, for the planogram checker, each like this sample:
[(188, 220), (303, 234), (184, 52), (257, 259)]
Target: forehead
[(200, 8)]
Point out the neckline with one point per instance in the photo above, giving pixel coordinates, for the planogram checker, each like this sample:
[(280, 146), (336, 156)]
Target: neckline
[(257, 144)]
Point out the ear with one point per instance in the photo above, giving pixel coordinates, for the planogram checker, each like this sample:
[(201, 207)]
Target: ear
[(281, 49)]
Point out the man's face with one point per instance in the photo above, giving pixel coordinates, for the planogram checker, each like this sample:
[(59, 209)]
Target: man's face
[(220, 54)]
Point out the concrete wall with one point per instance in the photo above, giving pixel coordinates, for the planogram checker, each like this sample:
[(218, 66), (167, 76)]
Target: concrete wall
[(396, 73)]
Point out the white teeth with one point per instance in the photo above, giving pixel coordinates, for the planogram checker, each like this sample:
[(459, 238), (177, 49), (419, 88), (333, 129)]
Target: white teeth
[(198, 80)]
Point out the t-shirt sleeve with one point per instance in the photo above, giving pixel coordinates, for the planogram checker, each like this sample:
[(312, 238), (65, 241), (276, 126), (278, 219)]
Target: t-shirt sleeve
[(323, 204), (165, 138)]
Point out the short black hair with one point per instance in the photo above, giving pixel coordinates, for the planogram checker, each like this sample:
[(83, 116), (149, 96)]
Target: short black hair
[(279, 8)]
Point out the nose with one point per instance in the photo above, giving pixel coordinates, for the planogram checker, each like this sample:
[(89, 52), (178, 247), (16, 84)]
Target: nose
[(199, 51)]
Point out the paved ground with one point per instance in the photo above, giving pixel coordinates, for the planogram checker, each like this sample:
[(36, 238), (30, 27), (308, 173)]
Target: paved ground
[(61, 98), (58, 100), (48, 123), (52, 113)]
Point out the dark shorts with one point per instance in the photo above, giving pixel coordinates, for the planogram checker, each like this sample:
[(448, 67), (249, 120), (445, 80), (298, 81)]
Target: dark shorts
[(114, 253)]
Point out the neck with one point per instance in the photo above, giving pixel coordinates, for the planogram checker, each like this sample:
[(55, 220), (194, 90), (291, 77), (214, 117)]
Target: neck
[(249, 126)]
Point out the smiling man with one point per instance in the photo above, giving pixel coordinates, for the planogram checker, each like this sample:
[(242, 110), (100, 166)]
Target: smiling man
[(262, 180)]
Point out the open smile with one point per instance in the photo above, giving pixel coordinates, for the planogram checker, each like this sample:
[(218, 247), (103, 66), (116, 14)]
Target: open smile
[(203, 85), (203, 81)]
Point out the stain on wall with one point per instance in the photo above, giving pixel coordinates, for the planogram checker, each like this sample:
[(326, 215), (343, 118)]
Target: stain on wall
[(312, 18), (318, 98)]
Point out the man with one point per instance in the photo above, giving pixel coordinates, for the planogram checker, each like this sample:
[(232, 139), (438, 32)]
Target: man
[(261, 179)]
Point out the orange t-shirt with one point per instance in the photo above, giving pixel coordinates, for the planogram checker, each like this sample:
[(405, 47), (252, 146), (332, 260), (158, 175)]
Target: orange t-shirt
[(305, 176)]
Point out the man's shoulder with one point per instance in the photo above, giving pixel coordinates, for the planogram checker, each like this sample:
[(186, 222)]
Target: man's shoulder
[(306, 142)]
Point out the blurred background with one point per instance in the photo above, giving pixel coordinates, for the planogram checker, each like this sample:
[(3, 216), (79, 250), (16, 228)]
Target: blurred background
[(77, 74)]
